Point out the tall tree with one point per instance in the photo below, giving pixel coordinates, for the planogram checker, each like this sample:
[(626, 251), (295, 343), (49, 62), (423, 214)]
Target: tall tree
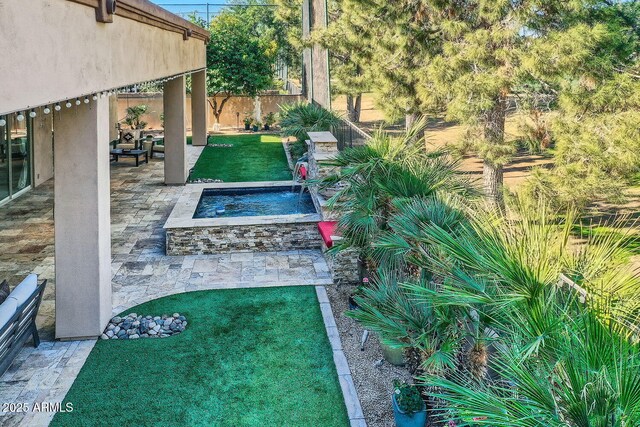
[(238, 61), (397, 41), (596, 131), (288, 14)]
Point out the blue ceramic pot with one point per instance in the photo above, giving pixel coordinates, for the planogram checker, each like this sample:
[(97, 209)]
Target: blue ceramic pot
[(416, 419)]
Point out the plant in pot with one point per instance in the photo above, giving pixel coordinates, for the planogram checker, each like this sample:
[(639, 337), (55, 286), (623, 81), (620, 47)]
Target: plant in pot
[(133, 120), (409, 410), (247, 122), (269, 120), (134, 116), (256, 126)]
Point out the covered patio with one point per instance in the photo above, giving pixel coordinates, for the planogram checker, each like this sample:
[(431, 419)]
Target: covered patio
[(140, 271), (69, 123)]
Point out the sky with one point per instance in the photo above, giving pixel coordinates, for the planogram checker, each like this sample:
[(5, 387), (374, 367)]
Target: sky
[(185, 7)]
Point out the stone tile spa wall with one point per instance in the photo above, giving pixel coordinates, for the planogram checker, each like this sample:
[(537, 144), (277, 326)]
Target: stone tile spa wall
[(242, 238)]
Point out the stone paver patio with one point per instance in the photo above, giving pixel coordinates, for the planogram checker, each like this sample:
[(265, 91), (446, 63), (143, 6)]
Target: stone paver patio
[(140, 204)]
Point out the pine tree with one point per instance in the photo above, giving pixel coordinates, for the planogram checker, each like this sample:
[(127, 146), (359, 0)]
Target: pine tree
[(597, 130), (398, 41)]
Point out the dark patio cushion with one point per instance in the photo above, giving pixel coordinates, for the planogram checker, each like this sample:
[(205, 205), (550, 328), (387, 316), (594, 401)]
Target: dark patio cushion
[(4, 291)]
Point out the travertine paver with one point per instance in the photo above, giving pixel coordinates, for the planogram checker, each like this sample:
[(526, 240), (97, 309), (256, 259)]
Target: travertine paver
[(140, 204)]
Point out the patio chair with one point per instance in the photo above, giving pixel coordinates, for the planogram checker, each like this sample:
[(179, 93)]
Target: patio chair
[(128, 139), (18, 319), (156, 147)]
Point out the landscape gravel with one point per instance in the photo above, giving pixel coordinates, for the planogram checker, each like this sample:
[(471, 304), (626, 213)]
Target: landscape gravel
[(372, 375)]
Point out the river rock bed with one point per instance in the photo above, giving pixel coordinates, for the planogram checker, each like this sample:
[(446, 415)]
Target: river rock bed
[(132, 326), (206, 181)]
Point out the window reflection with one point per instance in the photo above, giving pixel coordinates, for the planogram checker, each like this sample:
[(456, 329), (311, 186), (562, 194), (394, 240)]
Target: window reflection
[(15, 154)]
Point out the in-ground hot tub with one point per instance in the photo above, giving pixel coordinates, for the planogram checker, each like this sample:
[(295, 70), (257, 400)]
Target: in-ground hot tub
[(236, 217)]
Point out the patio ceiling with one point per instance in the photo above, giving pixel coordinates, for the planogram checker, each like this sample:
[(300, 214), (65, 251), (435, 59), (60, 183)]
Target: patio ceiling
[(58, 50)]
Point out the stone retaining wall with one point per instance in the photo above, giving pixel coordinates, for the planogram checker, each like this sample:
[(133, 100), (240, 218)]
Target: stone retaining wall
[(242, 238), (344, 266)]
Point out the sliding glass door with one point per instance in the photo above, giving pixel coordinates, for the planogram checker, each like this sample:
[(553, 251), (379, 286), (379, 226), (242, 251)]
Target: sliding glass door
[(15, 155), (4, 161)]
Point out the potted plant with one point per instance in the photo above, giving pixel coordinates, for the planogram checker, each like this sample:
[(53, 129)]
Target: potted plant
[(134, 115), (133, 119), (269, 120), (392, 354), (247, 122), (256, 126), (409, 410)]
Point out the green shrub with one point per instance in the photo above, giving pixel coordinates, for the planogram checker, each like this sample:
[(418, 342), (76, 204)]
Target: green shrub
[(300, 118), (408, 397), (297, 149)]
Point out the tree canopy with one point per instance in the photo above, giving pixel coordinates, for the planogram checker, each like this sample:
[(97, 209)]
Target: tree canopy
[(239, 60), (476, 61)]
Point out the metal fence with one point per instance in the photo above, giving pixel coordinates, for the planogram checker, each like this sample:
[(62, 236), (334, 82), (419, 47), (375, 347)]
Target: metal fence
[(349, 135)]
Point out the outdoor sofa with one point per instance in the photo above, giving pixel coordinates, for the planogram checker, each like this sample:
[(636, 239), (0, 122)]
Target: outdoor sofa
[(18, 318)]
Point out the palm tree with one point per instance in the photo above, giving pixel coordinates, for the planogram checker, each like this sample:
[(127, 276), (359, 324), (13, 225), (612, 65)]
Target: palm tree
[(300, 118), (373, 179), (589, 377), (557, 360)]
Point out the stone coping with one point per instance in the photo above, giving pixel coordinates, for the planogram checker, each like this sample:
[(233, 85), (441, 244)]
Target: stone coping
[(349, 393), (322, 137), (182, 214)]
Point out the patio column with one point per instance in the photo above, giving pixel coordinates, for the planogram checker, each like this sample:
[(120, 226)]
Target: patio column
[(175, 142), (199, 108), (82, 220)]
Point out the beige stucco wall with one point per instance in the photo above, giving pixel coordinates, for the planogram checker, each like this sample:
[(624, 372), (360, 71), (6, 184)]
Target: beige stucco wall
[(54, 49), (237, 104)]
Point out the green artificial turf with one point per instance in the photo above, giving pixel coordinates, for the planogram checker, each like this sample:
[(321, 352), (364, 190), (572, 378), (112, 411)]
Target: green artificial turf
[(253, 157), (249, 357)]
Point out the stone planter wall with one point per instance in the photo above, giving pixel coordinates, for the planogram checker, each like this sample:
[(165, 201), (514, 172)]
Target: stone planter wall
[(344, 266), (242, 238)]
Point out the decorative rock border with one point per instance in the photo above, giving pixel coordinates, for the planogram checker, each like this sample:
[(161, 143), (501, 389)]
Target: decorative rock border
[(133, 326), (351, 400), (206, 181)]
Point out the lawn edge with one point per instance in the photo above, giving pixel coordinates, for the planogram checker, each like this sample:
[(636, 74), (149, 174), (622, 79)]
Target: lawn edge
[(349, 393)]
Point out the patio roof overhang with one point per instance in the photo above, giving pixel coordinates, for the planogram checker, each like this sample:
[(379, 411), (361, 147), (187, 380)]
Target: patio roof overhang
[(56, 50)]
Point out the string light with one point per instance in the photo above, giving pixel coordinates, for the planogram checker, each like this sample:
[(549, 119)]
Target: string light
[(3, 122), (95, 97), (78, 101), (46, 110), (68, 104), (86, 100), (20, 117), (32, 113), (57, 107)]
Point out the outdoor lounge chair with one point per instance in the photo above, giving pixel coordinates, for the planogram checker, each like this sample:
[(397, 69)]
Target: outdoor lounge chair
[(157, 148), (18, 319), (128, 140)]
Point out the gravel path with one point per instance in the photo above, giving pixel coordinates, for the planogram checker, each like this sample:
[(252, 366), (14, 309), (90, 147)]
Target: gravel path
[(373, 377)]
